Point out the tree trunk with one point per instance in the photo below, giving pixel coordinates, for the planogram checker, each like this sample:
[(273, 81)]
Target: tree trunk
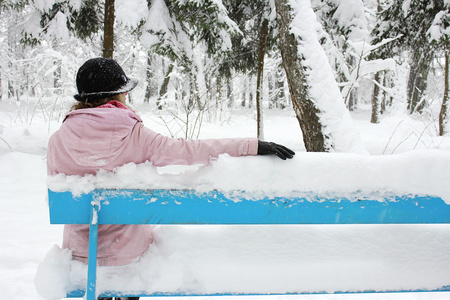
[(383, 96), (305, 110), (230, 97), (108, 29), (376, 99), (387, 97), (218, 94), (244, 94), (280, 88), (149, 90), (376, 88), (194, 97), (353, 99), (259, 80), (57, 77), (270, 85), (417, 81), (353, 93), (164, 87), (443, 115), (250, 93)]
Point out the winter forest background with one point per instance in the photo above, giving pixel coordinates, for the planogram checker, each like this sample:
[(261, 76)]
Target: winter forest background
[(202, 60), (317, 75)]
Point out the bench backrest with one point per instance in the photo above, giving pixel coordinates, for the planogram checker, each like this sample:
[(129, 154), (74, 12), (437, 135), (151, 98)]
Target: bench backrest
[(215, 207)]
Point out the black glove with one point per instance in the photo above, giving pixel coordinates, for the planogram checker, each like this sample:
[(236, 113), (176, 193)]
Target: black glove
[(265, 148)]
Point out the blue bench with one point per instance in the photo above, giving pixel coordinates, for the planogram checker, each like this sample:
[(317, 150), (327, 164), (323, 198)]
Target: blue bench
[(129, 206)]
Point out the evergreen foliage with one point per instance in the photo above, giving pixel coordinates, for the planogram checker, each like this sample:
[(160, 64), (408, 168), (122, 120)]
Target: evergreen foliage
[(406, 24), (249, 16), (83, 21), (201, 23), (87, 20)]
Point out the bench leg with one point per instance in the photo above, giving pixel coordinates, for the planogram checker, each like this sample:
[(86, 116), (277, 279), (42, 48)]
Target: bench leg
[(92, 261)]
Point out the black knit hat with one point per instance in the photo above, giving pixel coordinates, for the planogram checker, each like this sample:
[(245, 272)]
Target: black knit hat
[(100, 78)]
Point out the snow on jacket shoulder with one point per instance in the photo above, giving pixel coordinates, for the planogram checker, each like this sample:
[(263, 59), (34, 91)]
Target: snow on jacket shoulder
[(110, 136)]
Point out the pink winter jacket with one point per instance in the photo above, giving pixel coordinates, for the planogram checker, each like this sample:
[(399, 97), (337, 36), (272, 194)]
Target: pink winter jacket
[(109, 136)]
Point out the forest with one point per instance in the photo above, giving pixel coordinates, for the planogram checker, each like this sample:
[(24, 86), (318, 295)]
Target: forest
[(201, 59)]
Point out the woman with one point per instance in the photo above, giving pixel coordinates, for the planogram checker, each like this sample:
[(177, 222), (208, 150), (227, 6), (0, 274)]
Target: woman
[(101, 132)]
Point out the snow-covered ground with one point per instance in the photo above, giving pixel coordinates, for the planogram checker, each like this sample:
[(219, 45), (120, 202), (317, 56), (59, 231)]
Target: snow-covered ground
[(260, 256)]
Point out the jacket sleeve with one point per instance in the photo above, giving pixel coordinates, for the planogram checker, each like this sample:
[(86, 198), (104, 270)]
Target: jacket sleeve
[(162, 150)]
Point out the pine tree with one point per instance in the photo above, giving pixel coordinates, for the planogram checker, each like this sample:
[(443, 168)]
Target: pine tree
[(13, 66), (407, 22), (250, 48), (177, 29), (83, 20)]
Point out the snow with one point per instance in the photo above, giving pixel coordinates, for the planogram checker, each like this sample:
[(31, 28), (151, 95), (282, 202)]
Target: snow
[(44, 5), (406, 6), (351, 14), (32, 26), (58, 28), (223, 17), (76, 4), (405, 153), (131, 13), (161, 27), (437, 30), (157, 19), (311, 258)]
